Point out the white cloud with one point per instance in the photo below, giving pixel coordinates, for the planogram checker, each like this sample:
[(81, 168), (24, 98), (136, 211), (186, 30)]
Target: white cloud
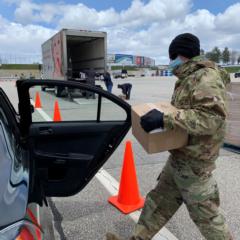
[(140, 14), (137, 15), (142, 29), (25, 12), (80, 16), (201, 18), (16, 38), (229, 21), (29, 12)]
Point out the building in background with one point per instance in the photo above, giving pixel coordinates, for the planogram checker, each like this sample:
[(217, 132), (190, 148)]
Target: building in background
[(129, 60)]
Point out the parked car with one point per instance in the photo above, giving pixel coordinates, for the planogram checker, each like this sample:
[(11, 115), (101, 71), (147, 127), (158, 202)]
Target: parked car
[(120, 73), (237, 75), (124, 73), (51, 159)]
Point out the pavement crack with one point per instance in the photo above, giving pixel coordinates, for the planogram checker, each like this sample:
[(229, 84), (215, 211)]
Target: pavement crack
[(57, 219)]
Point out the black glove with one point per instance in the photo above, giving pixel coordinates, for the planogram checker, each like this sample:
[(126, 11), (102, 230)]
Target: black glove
[(152, 120)]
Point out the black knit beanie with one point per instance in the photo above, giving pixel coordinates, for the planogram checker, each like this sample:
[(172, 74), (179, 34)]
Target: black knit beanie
[(186, 45)]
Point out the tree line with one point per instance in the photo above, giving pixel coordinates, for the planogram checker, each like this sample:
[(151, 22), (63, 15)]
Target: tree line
[(225, 56)]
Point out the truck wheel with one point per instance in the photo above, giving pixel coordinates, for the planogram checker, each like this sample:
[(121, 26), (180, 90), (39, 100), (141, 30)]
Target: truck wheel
[(43, 88), (58, 91)]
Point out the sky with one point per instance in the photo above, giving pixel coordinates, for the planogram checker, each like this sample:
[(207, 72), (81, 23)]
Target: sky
[(138, 27)]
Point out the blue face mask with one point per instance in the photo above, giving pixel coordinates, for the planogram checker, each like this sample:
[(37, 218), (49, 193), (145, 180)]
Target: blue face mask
[(175, 63)]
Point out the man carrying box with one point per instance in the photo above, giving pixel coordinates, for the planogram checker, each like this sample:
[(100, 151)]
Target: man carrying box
[(200, 99)]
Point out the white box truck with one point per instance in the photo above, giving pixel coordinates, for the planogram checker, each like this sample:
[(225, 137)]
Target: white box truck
[(71, 54)]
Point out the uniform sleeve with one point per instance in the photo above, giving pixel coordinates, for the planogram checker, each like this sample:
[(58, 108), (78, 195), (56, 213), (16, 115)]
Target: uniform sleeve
[(208, 107)]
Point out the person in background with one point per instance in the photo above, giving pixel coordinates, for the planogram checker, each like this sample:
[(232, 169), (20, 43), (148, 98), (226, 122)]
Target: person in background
[(31, 76), (22, 76), (126, 89), (108, 82), (90, 79)]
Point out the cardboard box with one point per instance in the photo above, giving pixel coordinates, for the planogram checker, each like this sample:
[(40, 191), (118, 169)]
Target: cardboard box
[(122, 96), (158, 140)]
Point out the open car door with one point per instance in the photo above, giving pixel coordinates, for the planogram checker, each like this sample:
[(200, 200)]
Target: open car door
[(65, 154)]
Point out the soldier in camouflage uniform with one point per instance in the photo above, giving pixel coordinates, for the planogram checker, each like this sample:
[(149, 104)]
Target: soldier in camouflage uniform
[(200, 97)]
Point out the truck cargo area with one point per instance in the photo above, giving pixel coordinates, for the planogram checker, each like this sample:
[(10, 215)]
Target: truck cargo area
[(84, 54), (74, 55)]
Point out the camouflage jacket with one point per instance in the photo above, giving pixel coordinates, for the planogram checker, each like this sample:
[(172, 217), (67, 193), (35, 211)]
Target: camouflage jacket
[(200, 96)]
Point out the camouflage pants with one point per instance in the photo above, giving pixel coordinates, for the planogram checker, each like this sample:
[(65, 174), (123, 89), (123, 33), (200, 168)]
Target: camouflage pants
[(178, 185)]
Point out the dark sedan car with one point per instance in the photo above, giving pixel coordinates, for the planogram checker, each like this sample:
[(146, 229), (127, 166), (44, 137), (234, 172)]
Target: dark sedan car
[(40, 159), (237, 75)]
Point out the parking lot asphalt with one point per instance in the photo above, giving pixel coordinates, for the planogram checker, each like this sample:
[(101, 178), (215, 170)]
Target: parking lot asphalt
[(88, 215)]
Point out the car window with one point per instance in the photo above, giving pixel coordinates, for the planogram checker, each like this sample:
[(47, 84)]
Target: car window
[(72, 105)]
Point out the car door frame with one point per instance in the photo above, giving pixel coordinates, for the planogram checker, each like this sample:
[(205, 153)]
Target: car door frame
[(25, 112), (25, 109)]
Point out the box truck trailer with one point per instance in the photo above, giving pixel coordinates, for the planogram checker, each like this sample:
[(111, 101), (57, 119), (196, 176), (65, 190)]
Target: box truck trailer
[(72, 54)]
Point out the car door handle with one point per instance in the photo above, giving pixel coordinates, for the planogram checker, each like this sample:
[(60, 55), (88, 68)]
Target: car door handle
[(45, 131)]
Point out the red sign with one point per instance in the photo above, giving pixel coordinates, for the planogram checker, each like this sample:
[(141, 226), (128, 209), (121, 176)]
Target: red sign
[(138, 60)]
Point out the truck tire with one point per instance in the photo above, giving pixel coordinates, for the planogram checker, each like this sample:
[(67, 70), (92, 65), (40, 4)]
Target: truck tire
[(58, 91)]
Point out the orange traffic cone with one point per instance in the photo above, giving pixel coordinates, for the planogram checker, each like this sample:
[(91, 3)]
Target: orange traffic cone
[(38, 101), (57, 115), (128, 199), (25, 234), (35, 221)]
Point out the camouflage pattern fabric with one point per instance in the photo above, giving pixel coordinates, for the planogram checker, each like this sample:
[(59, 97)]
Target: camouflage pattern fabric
[(200, 98), (177, 185)]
